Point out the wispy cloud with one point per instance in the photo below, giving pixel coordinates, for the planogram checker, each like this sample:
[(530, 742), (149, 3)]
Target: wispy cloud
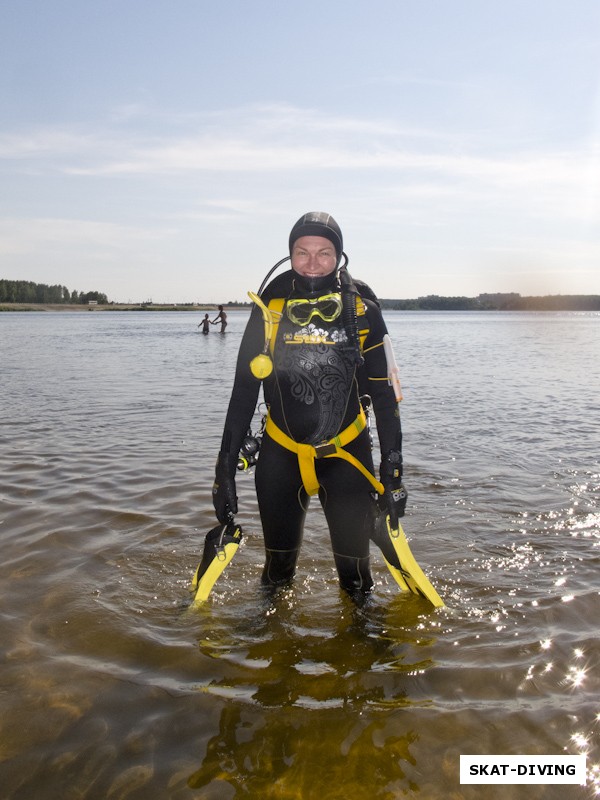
[(22, 236), (129, 193), (284, 139)]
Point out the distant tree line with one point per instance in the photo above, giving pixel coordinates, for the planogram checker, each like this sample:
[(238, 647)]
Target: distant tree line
[(509, 301), (29, 292)]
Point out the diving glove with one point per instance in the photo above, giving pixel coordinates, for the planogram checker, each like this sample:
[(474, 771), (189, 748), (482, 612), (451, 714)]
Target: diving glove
[(394, 498), (223, 491)]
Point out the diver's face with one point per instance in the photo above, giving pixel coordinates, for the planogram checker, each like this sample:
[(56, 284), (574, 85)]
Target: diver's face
[(313, 256)]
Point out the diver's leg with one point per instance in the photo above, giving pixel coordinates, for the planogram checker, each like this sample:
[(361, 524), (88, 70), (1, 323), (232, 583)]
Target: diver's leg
[(346, 497), (354, 574), (280, 566), (282, 502)]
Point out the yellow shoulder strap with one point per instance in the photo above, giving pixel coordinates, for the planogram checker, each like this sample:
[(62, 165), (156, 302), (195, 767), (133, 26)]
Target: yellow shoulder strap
[(275, 304), (363, 330)]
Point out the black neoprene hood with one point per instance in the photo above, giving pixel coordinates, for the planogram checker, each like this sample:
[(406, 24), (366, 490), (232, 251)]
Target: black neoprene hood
[(318, 223)]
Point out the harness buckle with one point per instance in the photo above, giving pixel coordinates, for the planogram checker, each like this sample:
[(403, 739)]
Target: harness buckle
[(325, 449)]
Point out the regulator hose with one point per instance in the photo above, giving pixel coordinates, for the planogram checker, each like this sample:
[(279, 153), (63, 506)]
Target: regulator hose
[(349, 317)]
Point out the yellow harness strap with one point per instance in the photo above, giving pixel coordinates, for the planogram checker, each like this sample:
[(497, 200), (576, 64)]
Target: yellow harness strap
[(276, 305), (332, 449)]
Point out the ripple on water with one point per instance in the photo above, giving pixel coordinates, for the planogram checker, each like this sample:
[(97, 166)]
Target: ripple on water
[(110, 690)]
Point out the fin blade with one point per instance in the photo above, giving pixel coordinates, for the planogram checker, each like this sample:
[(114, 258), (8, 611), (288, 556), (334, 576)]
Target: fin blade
[(411, 572), (213, 572), (397, 576), (220, 546)]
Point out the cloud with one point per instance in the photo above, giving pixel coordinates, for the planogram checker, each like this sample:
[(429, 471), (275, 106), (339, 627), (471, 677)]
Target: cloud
[(20, 236), (170, 191), (288, 140)]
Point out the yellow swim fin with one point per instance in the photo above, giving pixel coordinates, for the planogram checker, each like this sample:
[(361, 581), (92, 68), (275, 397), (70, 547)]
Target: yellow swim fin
[(220, 546), (410, 576), (397, 576)]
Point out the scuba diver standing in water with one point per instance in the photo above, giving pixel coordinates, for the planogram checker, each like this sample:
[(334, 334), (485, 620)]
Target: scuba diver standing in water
[(315, 339)]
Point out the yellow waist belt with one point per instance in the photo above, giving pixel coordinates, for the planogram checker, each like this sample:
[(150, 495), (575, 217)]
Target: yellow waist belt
[(331, 449)]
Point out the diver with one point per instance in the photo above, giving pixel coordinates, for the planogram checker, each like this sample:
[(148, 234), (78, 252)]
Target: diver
[(315, 341)]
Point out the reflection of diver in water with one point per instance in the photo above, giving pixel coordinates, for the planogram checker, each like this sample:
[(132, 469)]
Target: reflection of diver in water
[(271, 756), (278, 679), (390, 641), (324, 349), (268, 754)]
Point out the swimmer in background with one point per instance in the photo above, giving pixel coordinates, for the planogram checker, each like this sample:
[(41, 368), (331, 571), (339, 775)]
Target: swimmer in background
[(205, 323), (220, 316)]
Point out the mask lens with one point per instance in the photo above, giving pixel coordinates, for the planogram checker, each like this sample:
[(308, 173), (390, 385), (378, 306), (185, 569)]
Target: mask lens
[(299, 312), (329, 309)]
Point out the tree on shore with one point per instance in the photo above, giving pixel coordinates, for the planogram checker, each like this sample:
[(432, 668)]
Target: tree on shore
[(510, 301), (30, 292)]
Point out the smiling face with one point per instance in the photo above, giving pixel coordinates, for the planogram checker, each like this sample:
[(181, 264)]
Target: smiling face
[(313, 256)]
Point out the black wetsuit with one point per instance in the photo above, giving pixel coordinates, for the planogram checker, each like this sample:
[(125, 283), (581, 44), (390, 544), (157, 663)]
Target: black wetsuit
[(313, 394)]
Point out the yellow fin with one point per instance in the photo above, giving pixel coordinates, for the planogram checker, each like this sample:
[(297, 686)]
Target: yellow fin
[(410, 572), (397, 576), (220, 546)]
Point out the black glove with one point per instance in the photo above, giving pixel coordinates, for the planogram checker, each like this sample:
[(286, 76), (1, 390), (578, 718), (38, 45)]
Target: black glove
[(224, 496), (395, 496)]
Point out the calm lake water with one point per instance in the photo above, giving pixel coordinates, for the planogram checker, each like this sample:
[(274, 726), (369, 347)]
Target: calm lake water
[(109, 428)]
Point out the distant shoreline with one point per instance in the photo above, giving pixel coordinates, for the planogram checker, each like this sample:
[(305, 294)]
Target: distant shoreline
[(76, 307), (498, 302)]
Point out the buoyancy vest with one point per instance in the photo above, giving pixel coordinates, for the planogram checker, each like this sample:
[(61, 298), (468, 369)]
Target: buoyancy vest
[(334, 447), (276, 306)]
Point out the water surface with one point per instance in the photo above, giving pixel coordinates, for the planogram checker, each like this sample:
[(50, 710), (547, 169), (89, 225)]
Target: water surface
[(109, 428)]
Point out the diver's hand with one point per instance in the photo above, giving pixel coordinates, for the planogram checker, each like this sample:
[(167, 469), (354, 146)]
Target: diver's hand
[(395, 495), (223, 491)]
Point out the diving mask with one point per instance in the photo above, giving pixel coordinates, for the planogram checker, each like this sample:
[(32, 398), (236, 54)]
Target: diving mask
[(302, 310)]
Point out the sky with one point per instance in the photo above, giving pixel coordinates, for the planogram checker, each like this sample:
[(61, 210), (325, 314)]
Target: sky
[(162, 149)]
